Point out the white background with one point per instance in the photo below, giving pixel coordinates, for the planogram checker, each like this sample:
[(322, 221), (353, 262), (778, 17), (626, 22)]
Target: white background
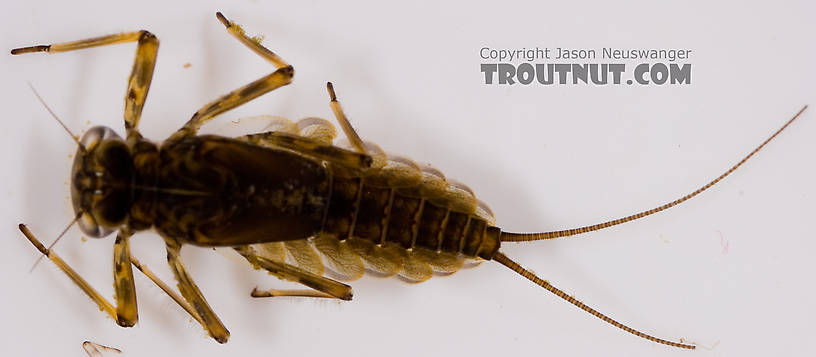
[(730, 270)]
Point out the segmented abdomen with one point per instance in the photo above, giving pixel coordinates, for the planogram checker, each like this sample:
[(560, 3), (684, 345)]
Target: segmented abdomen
[(396, 218), (384, 214)]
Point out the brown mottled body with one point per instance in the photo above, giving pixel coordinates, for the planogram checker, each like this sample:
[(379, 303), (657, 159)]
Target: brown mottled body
[(216, 191), (391, 218), (288, 200), (262, 194)]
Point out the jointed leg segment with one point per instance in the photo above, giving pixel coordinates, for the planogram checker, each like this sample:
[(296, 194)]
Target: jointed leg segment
[(351, 134), (162, 285), (251, 43), (281, 77), (100, 301), (140, 77), (125, 312), (191, 293), (257, 293), (126, 309), (292, 273)]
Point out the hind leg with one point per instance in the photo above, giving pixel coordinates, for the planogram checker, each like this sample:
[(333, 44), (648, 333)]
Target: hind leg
[(351, 134), (312, 148), (295, 274), (257, 293)]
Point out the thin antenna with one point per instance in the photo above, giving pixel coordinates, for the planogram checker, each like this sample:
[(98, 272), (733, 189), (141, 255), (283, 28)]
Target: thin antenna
[(526, 237), (79, 214), (504, 260), (55, 116)]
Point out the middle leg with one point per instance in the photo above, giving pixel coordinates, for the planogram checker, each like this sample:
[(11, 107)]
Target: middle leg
[(281, 77), (191, 293)]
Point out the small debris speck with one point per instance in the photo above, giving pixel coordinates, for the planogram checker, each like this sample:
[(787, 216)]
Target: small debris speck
[(187, 65)]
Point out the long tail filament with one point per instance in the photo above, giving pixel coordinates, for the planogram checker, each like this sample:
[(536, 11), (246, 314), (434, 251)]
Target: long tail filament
[(525, 237), (504, 260)]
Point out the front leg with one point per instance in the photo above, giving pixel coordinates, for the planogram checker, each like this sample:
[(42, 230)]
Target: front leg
[(140, 76), (126, 309), (125, 312)]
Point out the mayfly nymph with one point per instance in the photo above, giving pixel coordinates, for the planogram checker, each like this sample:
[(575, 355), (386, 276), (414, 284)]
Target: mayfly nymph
[(288, 200)]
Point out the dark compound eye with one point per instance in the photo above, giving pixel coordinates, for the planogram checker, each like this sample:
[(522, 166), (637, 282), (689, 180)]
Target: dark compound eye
[(115, 158), (112, 210)]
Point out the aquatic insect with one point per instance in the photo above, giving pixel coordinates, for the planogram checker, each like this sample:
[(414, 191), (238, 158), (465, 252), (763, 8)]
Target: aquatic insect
[(287, 200)]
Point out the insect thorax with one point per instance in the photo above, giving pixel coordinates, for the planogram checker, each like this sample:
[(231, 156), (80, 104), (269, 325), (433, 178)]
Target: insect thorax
[(215, 191)]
